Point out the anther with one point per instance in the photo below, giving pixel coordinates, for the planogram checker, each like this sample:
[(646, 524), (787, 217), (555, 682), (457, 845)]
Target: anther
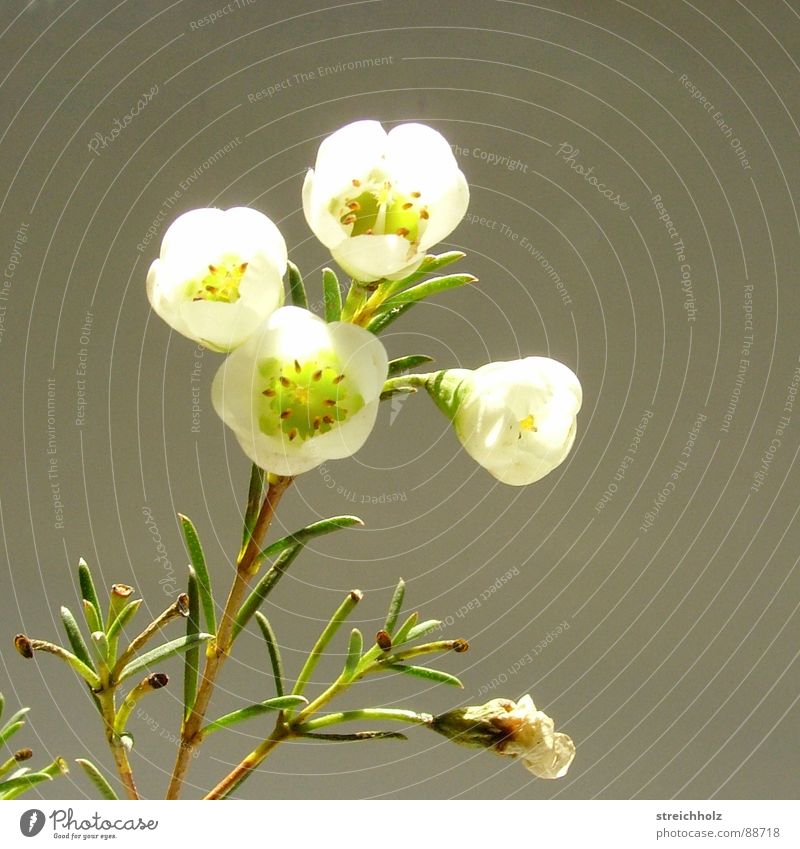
[(317, 422), (356, 183), (328, 420), (297, 367), (407, 205), (338, 379), (329, 402), (424, 214), (416, 194), (354, 205), (285, 382), (317, 375), (270, 393), (292, 434), (402, 231), (285, 414), (212, 269), (349, 219)]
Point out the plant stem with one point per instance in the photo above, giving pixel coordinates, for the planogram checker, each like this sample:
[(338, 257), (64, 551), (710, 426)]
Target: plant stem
[(120, 753), (236, 776), (365, 715), (218, 648)]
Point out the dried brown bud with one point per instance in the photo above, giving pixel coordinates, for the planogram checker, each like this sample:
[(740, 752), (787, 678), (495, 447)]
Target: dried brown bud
[(23, 646), (460, 645), (182, 604), (383, 640), (356, 595), (23, 755), (157, 680), (121, 590)]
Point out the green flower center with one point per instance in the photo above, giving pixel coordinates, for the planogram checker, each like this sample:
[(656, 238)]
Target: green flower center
[(221, 284), (301, 400), (377, 209)]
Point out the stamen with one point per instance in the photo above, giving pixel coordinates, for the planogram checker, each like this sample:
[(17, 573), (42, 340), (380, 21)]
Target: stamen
[(317, 375), (212, 269), (402, 231), (317, 422), (270, 393), (349, 219), (356, 183), (416, 194), (354, 205), (297, 367), (285, 414), (329, 402), (424, 214), (408, 205), (327, 420), (285, 382), (292, 434), (338, 379)]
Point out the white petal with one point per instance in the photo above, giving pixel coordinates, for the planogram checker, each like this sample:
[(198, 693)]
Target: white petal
[(368, 258)]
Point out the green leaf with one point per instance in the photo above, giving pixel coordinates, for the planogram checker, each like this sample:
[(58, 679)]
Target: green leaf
[(192, 657), (332, 295), (273, 649), (404, 364), (431, 264), (427, 289), (422, 629), (10, 729), (424, 672), (395, 606), (297, 291), (386, 317), (255, 495), (100, 646), (198, 559), (264, 587), (161, 653), (402, 634), (126, 614), (316, 529), (75, 638), (278, 703), (357, 736), (354, 650), (22, 783), (98, 779), (89, 594)]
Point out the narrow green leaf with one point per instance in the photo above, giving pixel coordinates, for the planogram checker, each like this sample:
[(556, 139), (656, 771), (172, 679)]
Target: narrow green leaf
[(75, 638), (19, 785), (395, 606), (433, 263), (160, 653), (98, 779), (422, 629), (255, 495), (9, 730), (297, 291), (403, 364), (91, 617), (264, 587), (427, 289), (357, 736), (332, 295), (403, 631), (198, 559), (89, 594), (354, 650), (325, 526), (278, 703), (273, 650), (192, 657), (386, 317), (328, 632), (100, 646), (424, 672), (128, 612)]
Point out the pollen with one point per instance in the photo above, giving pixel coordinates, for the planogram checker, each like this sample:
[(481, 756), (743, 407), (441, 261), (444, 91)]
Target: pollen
[(221, 284), (528, 423)]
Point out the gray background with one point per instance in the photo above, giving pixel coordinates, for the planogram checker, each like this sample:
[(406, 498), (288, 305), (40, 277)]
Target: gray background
[(677, 675)]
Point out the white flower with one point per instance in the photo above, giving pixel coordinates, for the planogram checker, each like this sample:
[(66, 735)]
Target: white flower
[(378, 201), (219, 275), (511, 728), (300, 391), (517, 419), (545, 753)]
